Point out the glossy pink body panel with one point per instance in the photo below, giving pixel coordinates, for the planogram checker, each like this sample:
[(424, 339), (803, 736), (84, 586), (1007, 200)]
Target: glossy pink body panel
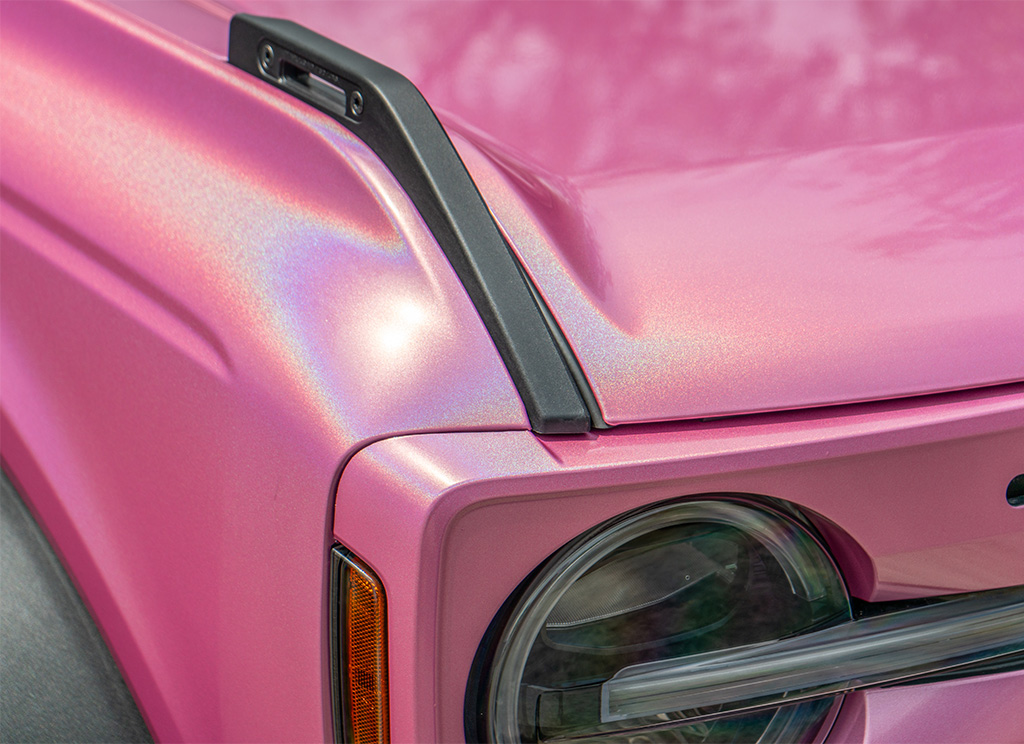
[(911, 498), (221, 313), (859, 273), (737, 207), (211, 298)]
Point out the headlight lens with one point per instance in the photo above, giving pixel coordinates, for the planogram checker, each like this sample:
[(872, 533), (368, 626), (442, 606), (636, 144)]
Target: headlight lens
[(664, 583)]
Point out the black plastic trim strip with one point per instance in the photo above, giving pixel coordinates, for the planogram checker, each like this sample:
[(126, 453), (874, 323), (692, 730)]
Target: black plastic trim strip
[(571, 362), (388, 113)]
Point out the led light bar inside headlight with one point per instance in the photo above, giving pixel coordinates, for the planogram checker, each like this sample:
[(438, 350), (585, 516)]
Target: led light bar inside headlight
[(674, 582), (865, 653)]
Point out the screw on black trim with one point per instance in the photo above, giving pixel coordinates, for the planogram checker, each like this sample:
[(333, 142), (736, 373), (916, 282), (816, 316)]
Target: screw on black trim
[(266, 57), (356, 103)]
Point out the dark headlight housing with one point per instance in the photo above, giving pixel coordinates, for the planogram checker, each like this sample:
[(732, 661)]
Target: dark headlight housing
[(674, 581)]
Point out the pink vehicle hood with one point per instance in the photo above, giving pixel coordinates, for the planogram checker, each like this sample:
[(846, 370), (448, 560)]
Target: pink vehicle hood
[(734, 207)]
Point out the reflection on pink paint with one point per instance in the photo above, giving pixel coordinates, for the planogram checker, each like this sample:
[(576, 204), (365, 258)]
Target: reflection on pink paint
[(853, 274), (730, 206), (211, 297), (651, 164), (619, 87)]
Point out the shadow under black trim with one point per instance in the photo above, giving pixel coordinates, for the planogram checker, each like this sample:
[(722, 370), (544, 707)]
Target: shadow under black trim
[(59, 680), (389, 114)]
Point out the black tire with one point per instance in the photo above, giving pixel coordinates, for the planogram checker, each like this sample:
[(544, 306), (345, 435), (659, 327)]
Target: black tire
[(59, 681)]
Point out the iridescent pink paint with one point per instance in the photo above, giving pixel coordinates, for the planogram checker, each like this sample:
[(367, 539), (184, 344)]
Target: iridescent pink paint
[(211, 296), (735, 207), (859, 273), (936, 714), (910, 497), (214, 297)]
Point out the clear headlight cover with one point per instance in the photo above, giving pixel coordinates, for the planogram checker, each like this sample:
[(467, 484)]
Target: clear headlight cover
[(670, 582)]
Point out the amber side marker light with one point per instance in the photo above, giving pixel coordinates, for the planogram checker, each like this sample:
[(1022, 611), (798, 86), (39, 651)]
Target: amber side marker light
[(359, 662)]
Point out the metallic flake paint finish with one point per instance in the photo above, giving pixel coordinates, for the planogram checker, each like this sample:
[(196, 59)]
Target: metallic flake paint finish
[(587, 90), (212, 296), (936, 714), (734, 207), (275, 305), (910, 497), (854, 274)]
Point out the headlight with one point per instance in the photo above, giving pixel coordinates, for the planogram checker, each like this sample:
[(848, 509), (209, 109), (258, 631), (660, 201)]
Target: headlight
[(659, 585)]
